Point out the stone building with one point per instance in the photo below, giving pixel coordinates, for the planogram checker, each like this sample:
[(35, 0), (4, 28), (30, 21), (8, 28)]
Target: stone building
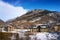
[(57, 27), (9, 28), (42, 28), (2, 28), (39, 28)]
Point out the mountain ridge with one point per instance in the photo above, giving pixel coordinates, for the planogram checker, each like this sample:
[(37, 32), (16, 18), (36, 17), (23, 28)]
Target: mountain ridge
[(34, 17)]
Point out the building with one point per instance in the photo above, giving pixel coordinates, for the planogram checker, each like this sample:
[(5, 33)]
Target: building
[(43, 28), (57, 27), (33, 29), (39, 28), (9, 28), (2, 28)]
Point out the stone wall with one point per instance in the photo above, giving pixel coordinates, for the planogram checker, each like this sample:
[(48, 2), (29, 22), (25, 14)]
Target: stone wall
[(8, 36)]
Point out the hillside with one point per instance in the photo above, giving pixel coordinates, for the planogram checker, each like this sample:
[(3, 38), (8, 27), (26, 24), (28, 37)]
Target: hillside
[(34, 17), (1, 23)]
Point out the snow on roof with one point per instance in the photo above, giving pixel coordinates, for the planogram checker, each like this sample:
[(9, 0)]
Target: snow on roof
[(42, 25), (58, 24)]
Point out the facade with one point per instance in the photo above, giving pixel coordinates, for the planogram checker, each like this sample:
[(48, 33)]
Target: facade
[(9, 28), (42, 28), (39, 28), (1, 28), (33, 29), (57, 28)]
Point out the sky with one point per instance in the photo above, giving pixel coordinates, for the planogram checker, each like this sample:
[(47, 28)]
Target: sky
[(10, 9)]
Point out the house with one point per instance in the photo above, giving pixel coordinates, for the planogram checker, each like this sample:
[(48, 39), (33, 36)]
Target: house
[(2, 28), (43, 28), (39, 28), (57, 27), (9, 28), (33, 29)]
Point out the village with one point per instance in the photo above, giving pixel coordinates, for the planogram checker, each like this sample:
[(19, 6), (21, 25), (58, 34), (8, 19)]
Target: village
[(36, 28), (35, 25), (30, 33), (29, 19)]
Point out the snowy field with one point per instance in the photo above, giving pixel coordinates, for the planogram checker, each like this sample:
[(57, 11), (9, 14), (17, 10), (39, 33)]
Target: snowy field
[(40, 36), (37, 36)]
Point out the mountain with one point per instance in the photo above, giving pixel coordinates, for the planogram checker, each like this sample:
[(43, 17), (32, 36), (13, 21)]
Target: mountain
[(34, 17), (1, 23)]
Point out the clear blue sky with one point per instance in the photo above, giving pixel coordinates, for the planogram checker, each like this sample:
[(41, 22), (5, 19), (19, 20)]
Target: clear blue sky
[(10, 9), (36, 4)]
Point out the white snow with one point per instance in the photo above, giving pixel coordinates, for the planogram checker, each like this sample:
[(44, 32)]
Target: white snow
[(36, 19), (46, 36), (32, 37), (13, 37), (21, 30), (37, 36), (42, 36)]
